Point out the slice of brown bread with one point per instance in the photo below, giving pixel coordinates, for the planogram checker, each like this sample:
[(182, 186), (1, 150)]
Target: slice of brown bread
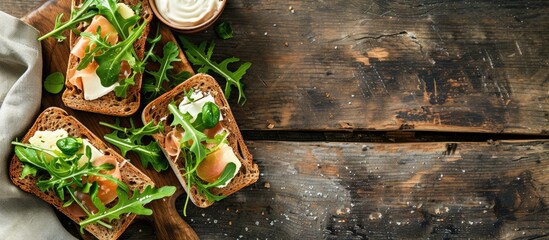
[(55, 118), (158, 109), (108, 104)]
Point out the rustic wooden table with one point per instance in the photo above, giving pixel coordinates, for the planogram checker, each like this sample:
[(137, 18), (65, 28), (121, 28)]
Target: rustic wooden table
[(385, 120)]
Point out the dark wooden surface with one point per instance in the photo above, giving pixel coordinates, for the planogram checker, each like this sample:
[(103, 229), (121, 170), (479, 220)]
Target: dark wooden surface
[(332, 73)]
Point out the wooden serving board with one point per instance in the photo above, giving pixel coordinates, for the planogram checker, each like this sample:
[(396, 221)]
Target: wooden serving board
[(167, 221)]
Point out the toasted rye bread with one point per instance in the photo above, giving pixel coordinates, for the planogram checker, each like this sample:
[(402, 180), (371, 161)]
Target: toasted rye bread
[(158, 109), (108, 104), (55, 118)]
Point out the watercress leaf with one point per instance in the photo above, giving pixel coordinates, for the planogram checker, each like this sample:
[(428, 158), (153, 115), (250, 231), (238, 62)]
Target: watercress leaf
[(128, 205), (28, 170), (69, 145), (226, 175), (198, 56), (54, 83), (210, 115), (224, 30)]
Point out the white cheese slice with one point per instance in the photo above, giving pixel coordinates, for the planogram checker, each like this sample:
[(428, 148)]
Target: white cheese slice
[(92, 86), (124, 10), (95, 153), (48, 139), (195, 107)]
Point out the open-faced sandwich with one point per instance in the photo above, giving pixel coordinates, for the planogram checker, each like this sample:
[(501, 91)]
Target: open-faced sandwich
[(65, 164), (107, 44), (202, 140)]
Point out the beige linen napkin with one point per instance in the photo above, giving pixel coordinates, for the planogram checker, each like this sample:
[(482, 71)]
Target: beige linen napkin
[(22, 215)]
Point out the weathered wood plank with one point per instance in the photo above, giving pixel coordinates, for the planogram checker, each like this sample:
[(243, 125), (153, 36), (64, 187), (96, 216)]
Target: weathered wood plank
[(377, 65), (478, 66), (486, 190), (19, 8)]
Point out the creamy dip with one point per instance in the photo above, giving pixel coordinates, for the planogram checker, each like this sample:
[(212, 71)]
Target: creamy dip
[(188, 13)]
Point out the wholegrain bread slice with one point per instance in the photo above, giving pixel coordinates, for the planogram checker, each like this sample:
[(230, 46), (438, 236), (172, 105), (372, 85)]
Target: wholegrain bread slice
[(55, 118), (108, 104), (157, 110)]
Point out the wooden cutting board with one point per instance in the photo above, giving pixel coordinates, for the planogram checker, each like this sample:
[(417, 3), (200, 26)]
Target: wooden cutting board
[(167, 221)]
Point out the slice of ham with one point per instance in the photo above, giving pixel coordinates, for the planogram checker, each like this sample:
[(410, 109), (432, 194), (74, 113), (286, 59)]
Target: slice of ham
[(107, 188), (171, 142), (107, 29)]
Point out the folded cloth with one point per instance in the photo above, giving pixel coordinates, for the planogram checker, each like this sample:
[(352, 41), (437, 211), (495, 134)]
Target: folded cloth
[(22, 215)]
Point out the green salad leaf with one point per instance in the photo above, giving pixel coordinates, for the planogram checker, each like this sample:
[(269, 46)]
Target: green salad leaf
[(152, 89), (200, 56), (130, 139), (110, 61), (109, 9), (224, 30), (190, 134), (84, 13), (54, 83), (63, 172), (130, 204)]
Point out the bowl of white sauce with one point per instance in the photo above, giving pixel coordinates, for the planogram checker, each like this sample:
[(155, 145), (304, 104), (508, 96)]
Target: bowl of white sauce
[(188, 16)]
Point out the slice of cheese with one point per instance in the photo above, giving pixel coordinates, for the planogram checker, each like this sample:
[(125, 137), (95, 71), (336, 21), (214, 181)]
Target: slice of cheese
[(95, 153), (195, 107), (48, 139), (92, 86)]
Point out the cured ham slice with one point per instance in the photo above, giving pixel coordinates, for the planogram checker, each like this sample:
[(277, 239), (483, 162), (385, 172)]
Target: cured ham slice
[(107, 29), (107, 188)]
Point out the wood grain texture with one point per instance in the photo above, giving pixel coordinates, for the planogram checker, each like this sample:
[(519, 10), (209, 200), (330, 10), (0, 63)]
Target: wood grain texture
[(485, 190), (477, 66), (19, 8)]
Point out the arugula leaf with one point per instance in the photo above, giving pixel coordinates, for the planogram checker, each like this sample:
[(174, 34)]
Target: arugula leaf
[(101, 44), (63, 169), (178, 78), (108, 9), (109, 61), (122, 89), (170, 55), (131, 140), (28, 170), (224, 30), (140, 65), (200, 56), (84, 13), (54, 83), (197, 137), (134, 204)]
